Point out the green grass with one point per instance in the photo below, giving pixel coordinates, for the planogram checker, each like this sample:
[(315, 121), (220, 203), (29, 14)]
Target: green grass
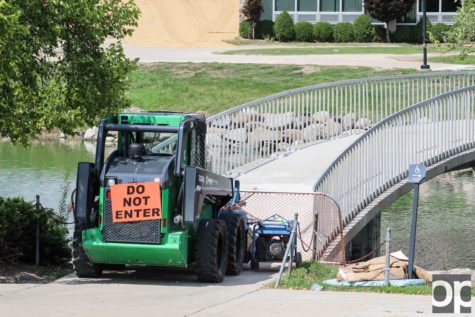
[(393, 49), (316, 272), (454, 59), (214, 87)]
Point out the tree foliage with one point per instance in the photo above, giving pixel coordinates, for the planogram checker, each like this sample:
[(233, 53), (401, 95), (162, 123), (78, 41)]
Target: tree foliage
[(462, 34), (252, 10), (388, 10), (55, 70)]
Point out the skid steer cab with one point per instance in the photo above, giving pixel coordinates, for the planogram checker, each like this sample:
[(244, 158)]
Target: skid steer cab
[(151, 202)]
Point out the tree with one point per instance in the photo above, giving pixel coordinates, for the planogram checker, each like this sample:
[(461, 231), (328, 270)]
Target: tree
[(388, 10), (56, 70), (462, 35), (252, 10)]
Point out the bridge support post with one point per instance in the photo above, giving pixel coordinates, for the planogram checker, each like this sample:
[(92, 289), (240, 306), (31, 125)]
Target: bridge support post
[(366, 240)]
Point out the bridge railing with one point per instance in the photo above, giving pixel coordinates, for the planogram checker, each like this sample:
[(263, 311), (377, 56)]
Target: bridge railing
[(248, 135), (428, 132)]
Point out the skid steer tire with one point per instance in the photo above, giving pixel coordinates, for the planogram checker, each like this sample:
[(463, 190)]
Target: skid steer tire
[(236, 243), (81, 263), (211, 250)]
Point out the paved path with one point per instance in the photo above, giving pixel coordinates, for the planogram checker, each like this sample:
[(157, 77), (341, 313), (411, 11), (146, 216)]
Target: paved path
[(297, 171), (177, 294), (207, 55)]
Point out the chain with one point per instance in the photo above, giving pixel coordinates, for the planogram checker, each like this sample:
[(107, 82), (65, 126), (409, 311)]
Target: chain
[(367, 255)]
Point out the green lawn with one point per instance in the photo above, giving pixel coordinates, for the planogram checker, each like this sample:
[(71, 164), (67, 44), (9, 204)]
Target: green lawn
[(454, 59), (214, 87), (316, 272), (392, 49)]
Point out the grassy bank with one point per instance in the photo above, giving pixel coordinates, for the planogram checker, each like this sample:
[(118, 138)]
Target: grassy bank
[(454, 59), (214, 87), (315, 272)]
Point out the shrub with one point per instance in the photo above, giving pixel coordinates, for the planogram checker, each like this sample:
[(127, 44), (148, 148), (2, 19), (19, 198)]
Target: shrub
[(265, 29), (245, 29), (410, 34), (439, 31), (323, 32), (18, 232), (343, 32), (284, 27), (304, 31), (363, 29)]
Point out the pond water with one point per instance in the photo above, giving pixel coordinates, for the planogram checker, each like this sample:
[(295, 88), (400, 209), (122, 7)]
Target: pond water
[(446, 223)]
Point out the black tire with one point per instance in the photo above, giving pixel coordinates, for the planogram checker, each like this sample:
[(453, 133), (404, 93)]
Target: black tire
[(211, 250), (81, 263), (254, 265), (236, 243)]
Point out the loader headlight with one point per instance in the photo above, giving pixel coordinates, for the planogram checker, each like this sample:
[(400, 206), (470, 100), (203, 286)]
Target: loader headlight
[(110, 182)]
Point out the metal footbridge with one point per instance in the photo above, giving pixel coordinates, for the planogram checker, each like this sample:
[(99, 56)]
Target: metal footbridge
[(351, 141)]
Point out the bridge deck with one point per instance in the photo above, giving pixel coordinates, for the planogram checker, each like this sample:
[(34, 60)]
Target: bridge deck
[(297, 171)]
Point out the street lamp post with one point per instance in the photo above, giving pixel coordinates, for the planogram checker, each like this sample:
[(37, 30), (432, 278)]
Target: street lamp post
[(424, 34)]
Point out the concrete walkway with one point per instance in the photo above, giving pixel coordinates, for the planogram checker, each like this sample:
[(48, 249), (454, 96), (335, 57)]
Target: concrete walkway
[(297, 171), (177, 294), (208, 55)]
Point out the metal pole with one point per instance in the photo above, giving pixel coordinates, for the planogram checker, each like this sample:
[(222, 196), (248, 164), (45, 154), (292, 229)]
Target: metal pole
[(387, 269), (287, 250), (424, 34), (37, 244), (412, 243)]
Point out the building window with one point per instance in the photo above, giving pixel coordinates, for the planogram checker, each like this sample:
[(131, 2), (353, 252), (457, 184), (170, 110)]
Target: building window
[(307, 5), (410, 17), (450, 5), (284, 5), (432, 5), (330, 5), (267, 14), (352, 5)]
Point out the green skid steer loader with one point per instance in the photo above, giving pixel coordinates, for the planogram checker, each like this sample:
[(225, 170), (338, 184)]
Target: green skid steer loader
[(151, 203)]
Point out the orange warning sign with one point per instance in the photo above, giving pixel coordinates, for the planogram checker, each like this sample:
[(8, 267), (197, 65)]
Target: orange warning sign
[(136, 202)]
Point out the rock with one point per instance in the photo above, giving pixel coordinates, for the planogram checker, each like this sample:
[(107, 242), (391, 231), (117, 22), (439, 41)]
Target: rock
[(91, 134), (301, 121), (348, 121), (245, 116), (262, 134), (62, 136), (331, 129), (132, 110), (236, 135), (321, 116), (250, 126), (110, 140), (215, 130), (278, 120), (222, 122), (214, 139), (363, 123), (425, 120), (292, 135), (313, 132), (283, 147)]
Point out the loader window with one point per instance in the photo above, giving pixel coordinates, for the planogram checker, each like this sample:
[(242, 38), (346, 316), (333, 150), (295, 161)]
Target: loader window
[(156, 142)]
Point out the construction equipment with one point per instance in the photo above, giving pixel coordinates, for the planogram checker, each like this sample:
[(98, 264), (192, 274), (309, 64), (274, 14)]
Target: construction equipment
[(270, 239), (152, 203)]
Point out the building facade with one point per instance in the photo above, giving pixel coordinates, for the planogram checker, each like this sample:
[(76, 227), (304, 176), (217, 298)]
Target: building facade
[(334, 11)]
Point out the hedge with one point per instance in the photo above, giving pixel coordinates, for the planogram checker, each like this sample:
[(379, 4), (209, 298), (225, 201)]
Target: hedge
[(304, 31), (18, 232), (265, 29), (343, 32), (439, 31), (284, 27), (245, 29), (323, 32), (363, 29)]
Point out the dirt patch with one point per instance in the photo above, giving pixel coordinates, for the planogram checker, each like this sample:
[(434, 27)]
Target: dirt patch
[(308, 69), (22, 273), (221, 73)]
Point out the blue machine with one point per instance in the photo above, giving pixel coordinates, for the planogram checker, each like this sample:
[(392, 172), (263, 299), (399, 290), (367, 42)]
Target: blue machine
[(270, 238)]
